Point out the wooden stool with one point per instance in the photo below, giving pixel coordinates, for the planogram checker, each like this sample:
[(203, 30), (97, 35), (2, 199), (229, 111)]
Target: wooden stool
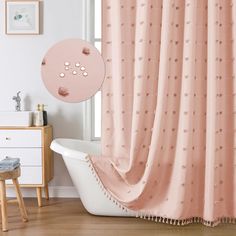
[(14, 174)]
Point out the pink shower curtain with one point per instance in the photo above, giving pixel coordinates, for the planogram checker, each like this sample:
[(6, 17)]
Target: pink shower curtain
[(169, 111)]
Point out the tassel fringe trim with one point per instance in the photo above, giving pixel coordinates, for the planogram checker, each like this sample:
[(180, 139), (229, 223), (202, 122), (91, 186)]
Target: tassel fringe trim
[(152, 217)]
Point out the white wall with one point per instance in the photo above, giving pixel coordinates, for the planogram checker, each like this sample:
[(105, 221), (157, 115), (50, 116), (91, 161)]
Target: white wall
[(20, 61)]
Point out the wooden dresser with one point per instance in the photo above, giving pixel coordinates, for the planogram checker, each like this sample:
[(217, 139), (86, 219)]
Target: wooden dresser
[(32, 146)]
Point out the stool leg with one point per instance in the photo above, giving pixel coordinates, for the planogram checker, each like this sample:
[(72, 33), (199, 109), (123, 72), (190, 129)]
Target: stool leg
[(4, 205), (39, 196), (46, 192), (20, 200)]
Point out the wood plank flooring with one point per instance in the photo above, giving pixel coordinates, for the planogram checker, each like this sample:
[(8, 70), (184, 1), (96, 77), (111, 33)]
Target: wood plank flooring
[(68, 217)]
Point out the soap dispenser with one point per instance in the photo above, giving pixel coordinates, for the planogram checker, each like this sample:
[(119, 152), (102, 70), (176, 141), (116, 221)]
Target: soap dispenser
[(38, 117), (45, 116)]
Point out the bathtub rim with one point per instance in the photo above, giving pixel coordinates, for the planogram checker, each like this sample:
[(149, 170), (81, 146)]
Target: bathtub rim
[(58, 147)]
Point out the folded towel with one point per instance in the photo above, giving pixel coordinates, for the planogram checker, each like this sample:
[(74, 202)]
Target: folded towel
[(8, 168), (9, 162)]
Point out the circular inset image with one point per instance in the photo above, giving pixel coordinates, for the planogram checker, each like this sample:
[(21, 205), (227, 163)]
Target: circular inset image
[(73, 70)]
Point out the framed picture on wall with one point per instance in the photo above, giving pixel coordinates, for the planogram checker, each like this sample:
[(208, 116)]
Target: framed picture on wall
[(22, 17)]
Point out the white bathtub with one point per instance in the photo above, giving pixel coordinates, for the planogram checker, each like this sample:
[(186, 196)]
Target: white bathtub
[(74, 153)]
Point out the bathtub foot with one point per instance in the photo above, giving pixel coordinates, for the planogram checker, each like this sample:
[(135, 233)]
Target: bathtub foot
[(46, 192), (39, 196)]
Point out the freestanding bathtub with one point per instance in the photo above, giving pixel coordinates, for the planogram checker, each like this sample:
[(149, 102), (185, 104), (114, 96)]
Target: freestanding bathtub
[(74, 153)]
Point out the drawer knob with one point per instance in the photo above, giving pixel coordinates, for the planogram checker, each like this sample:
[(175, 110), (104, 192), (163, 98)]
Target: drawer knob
[(7, 138)]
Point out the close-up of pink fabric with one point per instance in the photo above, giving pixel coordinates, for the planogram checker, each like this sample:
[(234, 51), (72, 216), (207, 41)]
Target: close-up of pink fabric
[(169, 109)]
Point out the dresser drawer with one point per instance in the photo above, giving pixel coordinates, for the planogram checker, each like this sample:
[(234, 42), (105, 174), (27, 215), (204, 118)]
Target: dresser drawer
[(29, 175), (28, 156), (20, 138)]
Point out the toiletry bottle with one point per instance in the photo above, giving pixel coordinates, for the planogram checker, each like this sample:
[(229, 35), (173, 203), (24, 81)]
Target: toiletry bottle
[(38, 117), (45, 116)]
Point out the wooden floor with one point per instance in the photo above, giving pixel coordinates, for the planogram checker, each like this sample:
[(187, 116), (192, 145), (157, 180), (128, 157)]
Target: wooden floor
[(68, 217)]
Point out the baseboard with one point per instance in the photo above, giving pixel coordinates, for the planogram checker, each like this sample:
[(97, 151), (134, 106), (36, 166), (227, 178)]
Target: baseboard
[(54, 191), (63, 192)]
